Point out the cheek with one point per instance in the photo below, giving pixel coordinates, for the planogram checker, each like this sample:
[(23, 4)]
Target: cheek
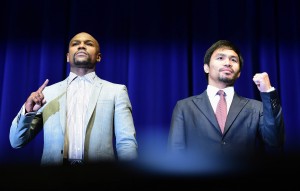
[(236, 67), (214, 68)]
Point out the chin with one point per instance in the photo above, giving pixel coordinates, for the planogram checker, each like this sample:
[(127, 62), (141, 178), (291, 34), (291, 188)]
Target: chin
[(228, 81), (83, 63)]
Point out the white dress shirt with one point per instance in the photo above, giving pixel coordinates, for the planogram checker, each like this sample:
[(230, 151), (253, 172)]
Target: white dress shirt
[(78, 95), (214, 98)]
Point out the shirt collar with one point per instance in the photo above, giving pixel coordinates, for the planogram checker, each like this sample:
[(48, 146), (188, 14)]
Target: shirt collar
[(212, 91), (89, 77)]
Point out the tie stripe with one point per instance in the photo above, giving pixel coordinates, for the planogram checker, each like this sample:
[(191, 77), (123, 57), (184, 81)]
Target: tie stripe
[(221, 110)]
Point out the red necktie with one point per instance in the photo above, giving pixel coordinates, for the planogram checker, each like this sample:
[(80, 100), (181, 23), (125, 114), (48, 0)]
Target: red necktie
[(221, 111)]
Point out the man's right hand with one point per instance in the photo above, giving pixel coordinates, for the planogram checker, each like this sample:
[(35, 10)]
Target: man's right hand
[(36, 99)]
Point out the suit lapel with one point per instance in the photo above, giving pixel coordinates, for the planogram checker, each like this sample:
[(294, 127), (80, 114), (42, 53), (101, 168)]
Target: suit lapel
[(203, 104), (62, 103), (238, 103), (96, 89)]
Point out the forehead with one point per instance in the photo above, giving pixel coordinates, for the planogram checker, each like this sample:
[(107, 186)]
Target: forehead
[(225, 51), (83, 37)]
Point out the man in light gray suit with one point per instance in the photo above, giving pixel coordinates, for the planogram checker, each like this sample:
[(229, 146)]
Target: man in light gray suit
[(253, 129), (81, 115)]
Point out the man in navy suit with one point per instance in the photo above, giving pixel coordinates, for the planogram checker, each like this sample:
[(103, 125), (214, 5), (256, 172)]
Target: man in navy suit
[(252, 129)]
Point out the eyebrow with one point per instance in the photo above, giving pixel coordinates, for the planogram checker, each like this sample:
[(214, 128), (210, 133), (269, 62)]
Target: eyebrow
[(85, 41), (230, 56)]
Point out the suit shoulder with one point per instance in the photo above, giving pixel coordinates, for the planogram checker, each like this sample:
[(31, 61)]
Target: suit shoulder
[(189, 99), (54, 86), (110, 85), (249, 100)]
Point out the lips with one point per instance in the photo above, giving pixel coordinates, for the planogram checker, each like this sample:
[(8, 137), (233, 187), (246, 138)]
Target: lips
[(81, 53), (226, 70)]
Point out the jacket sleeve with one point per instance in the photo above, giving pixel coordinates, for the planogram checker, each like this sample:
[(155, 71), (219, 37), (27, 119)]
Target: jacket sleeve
[(273, 130), (176, 139), (24, 128), (126, 143)]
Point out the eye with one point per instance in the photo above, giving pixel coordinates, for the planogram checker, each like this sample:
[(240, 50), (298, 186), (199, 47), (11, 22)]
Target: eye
[(220, 58), (74, 43), (234, 60), (89, 43)]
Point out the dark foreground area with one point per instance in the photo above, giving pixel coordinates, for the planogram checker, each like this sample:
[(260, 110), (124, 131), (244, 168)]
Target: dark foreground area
[(271, 174)]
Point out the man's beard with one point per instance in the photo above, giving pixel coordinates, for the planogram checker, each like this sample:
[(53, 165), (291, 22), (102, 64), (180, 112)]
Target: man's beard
[(228, 81), (83, 64)]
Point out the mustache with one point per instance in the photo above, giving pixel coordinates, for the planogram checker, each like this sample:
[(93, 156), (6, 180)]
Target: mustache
[(226, 69), (80, 51)]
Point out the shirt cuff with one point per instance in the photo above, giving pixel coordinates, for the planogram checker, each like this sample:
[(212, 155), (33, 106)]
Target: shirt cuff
[(28, 113), (271, 89), (23, 110)]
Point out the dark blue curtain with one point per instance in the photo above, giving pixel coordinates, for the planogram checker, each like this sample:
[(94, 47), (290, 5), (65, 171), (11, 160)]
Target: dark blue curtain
[(155, 48)]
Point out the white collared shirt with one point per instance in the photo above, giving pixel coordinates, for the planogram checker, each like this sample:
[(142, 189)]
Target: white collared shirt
[(78, 95), (214, 98)]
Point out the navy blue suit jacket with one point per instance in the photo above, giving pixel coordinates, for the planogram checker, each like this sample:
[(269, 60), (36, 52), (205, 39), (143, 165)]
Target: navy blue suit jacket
[(252, 127)]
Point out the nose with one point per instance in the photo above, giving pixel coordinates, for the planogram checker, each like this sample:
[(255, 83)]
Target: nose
[(228, 62), (81, 46)]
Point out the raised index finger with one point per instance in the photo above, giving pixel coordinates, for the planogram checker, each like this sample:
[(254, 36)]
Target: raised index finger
[(43, 86)]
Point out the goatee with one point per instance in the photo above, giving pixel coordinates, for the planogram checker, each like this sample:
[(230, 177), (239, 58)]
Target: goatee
[(83, 64), (228, 81)]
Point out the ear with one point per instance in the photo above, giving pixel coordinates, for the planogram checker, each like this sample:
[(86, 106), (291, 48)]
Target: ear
[(68, 57), (206, 68), (99, 57)]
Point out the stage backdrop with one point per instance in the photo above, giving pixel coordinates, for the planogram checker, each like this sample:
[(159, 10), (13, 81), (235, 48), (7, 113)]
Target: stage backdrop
[(155, 48)]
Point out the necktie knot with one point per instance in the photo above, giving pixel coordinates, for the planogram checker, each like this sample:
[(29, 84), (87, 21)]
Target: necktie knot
[(221, 93)]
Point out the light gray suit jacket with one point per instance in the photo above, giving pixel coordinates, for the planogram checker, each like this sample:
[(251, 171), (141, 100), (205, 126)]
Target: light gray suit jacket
[(109, 115)]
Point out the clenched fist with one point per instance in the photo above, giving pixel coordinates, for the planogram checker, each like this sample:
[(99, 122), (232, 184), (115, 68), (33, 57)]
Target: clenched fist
[(262, 81)]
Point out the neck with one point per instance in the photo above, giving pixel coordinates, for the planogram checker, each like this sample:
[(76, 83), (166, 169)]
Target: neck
[(82, 71), (220, 86)]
